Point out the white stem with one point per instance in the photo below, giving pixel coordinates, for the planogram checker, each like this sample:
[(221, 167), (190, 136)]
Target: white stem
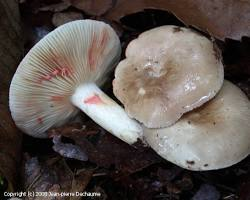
[(106, 112)]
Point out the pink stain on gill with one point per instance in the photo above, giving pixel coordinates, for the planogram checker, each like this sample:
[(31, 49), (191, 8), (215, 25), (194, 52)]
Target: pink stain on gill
[(95, 99), (105, 37), (46, 77), (39, 120), (61, 72), (56, 98), (55, 72), (61, 68), (65, 71), (91, 53), (96, 48)]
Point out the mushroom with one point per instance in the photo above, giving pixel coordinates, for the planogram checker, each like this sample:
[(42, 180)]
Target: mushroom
[(214, 136), (61, 73), (168, 71)]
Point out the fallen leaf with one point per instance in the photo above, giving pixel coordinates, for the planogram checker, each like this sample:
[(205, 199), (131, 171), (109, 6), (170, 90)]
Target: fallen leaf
[(56, 7), (40, 32), (32, 170), (52, 174), (68, 150), (222, 19), (144, 187), (105, 150), (98, 189), (93, 7), (206, 192), (186, 183), (10, 52), (245, 193), (178, 186), (173, 189), (80, 181), (167, 175), (64, 17)]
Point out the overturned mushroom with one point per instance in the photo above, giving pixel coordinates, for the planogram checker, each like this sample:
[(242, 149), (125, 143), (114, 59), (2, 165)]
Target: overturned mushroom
[(214, 136), (64, 70), (168, 71)]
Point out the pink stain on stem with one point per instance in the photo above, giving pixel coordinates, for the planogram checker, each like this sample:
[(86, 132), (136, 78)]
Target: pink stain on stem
[(95, 99)]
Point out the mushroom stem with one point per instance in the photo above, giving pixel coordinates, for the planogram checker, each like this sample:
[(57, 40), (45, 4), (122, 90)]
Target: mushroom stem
[(106, 112)]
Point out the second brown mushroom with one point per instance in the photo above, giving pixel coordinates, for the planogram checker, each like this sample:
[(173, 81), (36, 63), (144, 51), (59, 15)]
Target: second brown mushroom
[(167, 72), (214, 136)]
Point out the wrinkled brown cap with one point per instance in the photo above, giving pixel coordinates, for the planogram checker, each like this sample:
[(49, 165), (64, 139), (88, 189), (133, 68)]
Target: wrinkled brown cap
[(168, 71), (214, 136)]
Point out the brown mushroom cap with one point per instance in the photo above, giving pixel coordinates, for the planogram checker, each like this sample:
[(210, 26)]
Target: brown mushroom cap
[(168, 71), (214, 136)]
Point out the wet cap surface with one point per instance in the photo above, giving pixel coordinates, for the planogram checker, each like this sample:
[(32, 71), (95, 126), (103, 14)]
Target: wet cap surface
[(214, 136), (168, 71)]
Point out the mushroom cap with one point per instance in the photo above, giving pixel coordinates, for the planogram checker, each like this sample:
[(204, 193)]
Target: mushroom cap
[(214, 136), (168, 71), (74, 53)]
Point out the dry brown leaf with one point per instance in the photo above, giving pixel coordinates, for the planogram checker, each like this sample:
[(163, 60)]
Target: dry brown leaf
[(80, 182), (56, 7), (52, 174), (244, 191), (93, 7), (105, 150), (68, 150), (64, 17), (207, 192), (10, 147), (10, 53), (222, 19)]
